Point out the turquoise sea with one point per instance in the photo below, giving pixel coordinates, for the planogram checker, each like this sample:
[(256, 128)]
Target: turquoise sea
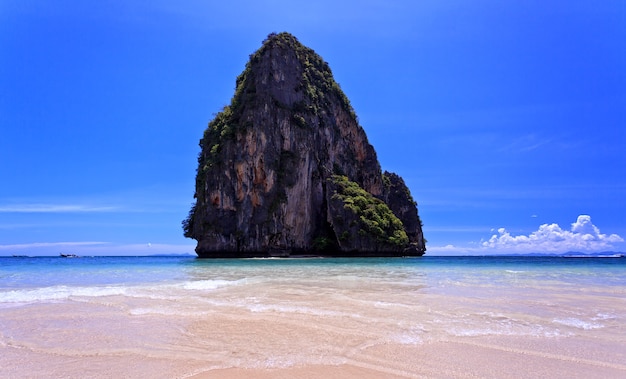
[(33, 279), (189, 315)]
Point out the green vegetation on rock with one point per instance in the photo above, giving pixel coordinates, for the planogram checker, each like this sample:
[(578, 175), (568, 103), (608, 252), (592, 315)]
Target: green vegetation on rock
[(373, 215), (264, 180), (188, 222)]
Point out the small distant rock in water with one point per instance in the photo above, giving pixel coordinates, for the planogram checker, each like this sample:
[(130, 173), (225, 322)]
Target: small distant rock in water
[(286, 170), (64, 255)]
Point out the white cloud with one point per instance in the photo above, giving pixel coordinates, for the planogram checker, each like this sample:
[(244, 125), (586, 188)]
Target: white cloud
[(450, 250), (53, 208), (48, 244), (90, 248), (583, 236)]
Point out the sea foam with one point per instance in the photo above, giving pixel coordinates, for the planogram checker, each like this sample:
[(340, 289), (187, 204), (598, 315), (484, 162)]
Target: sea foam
[(57, 293), (209, 284), (578, 323)]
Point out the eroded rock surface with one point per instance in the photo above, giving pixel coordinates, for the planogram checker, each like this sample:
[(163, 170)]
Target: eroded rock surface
[(277, 165)]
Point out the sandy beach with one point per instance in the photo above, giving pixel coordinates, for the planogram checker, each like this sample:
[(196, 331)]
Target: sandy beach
[(107, 340), (452, 359), (309, 321), (257, 346)]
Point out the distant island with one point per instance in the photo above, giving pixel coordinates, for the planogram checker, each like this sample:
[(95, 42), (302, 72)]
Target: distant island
[(569, 254), (286, 170)]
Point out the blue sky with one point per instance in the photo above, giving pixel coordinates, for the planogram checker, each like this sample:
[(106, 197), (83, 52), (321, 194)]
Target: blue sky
[(506, 119)]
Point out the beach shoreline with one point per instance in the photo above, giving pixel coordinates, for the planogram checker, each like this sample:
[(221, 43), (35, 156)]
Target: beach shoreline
[(449, 359), (258, 344), (469, 357), (314, 319)]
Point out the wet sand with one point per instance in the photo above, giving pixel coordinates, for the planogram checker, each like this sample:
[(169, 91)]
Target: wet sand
[(338, 322), (462, 359), (77, 340)]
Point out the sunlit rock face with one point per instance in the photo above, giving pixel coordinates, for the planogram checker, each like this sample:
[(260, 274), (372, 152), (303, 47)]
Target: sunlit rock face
[(286, 169)]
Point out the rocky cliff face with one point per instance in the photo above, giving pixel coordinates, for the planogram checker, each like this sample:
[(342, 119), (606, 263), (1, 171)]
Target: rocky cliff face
[(286, 169)]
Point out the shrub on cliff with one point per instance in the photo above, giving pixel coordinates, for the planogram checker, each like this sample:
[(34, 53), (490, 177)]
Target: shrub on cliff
[(373, 216)]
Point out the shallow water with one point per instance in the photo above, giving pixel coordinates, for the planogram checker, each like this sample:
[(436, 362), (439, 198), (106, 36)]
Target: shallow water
[(174, 317)]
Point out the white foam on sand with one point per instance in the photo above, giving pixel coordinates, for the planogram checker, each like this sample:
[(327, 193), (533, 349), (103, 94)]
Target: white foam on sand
[(578, 323), (18, 297), (58, 293), (200, 285)]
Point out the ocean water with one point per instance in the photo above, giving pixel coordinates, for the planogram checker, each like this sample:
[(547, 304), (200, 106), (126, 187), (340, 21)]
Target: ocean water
[(180, 315)]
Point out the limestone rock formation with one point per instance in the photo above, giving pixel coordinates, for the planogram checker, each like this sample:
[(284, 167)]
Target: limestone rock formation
[(286, 169)]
